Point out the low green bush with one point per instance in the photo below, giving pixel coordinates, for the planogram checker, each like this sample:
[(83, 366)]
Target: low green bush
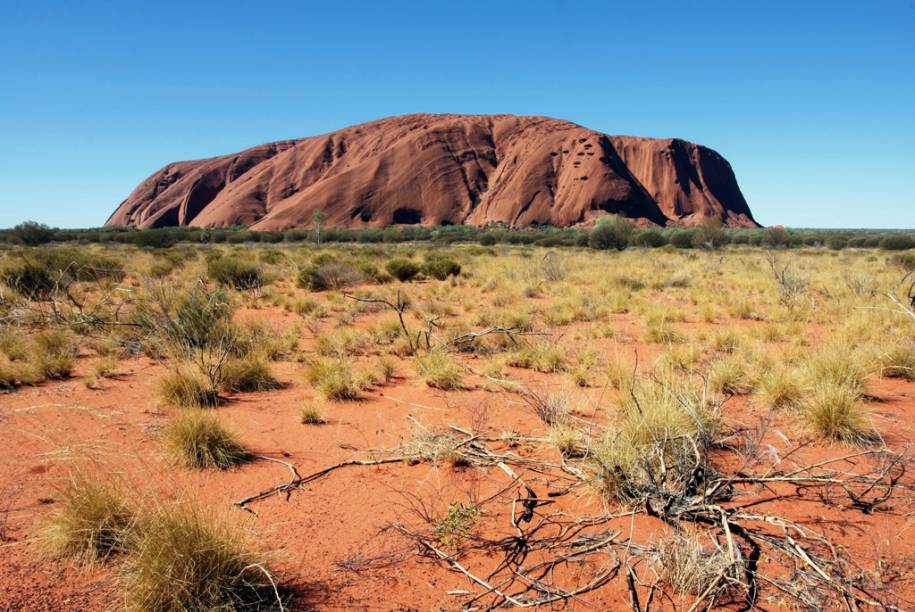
[(441, 268), (402, 269), (233, 272)]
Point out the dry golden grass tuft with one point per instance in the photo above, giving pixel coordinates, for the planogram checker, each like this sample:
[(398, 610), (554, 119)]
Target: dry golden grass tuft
[(440, 370), (334, 379), (312, 413), (198, 439), (91, 521), (185, 387), (182, 557), (833, 409), (250, 373)]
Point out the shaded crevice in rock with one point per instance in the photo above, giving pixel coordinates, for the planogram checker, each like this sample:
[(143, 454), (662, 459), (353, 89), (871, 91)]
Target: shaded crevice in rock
[(407, 216)]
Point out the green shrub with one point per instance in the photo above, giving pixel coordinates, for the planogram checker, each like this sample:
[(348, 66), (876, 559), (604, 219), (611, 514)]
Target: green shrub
[(648, 238), (456, 525), (897, 242), (233, 272), (32, 233), (41, 270), (775, 236), (329, 275), (198, 319), (710, 234), (441, 268), (610, 232), (906, 261), (837, 243), (402, 269), (31, 280), (682, 239)]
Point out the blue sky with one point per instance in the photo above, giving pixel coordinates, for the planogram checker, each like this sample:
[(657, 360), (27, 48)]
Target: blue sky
[(812, 102)]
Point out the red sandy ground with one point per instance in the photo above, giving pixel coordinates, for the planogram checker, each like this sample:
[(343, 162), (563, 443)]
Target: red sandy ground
[(47, 430)]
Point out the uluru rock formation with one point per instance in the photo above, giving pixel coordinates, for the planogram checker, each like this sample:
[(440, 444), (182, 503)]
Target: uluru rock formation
[(440, 169)]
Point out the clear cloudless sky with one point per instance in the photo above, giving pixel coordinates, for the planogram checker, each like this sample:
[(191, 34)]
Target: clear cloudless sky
[(812, 102)]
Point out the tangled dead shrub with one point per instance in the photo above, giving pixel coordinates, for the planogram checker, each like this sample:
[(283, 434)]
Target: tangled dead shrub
[(690, 567)]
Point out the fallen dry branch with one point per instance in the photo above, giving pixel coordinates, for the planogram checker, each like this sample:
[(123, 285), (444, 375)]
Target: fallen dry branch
[(298, 481)]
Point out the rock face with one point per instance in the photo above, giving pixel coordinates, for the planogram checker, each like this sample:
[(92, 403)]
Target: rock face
[(440, 169)]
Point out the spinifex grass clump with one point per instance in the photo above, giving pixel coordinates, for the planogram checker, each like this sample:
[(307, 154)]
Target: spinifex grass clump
[(312, 413), (728, 375), (834, 410), (440, 370), (91, 521), (32, 358), (198, 439), (54, 354), (567, 439), (899, 362), (779, 387), (183, 558), (333, 379), (838, 365), (659, 330), (249, 373), (233, 272), (540, 356), (662, 432), (187, 388)]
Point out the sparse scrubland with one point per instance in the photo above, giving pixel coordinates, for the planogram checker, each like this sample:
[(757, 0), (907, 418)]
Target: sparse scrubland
[(625, 418)]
